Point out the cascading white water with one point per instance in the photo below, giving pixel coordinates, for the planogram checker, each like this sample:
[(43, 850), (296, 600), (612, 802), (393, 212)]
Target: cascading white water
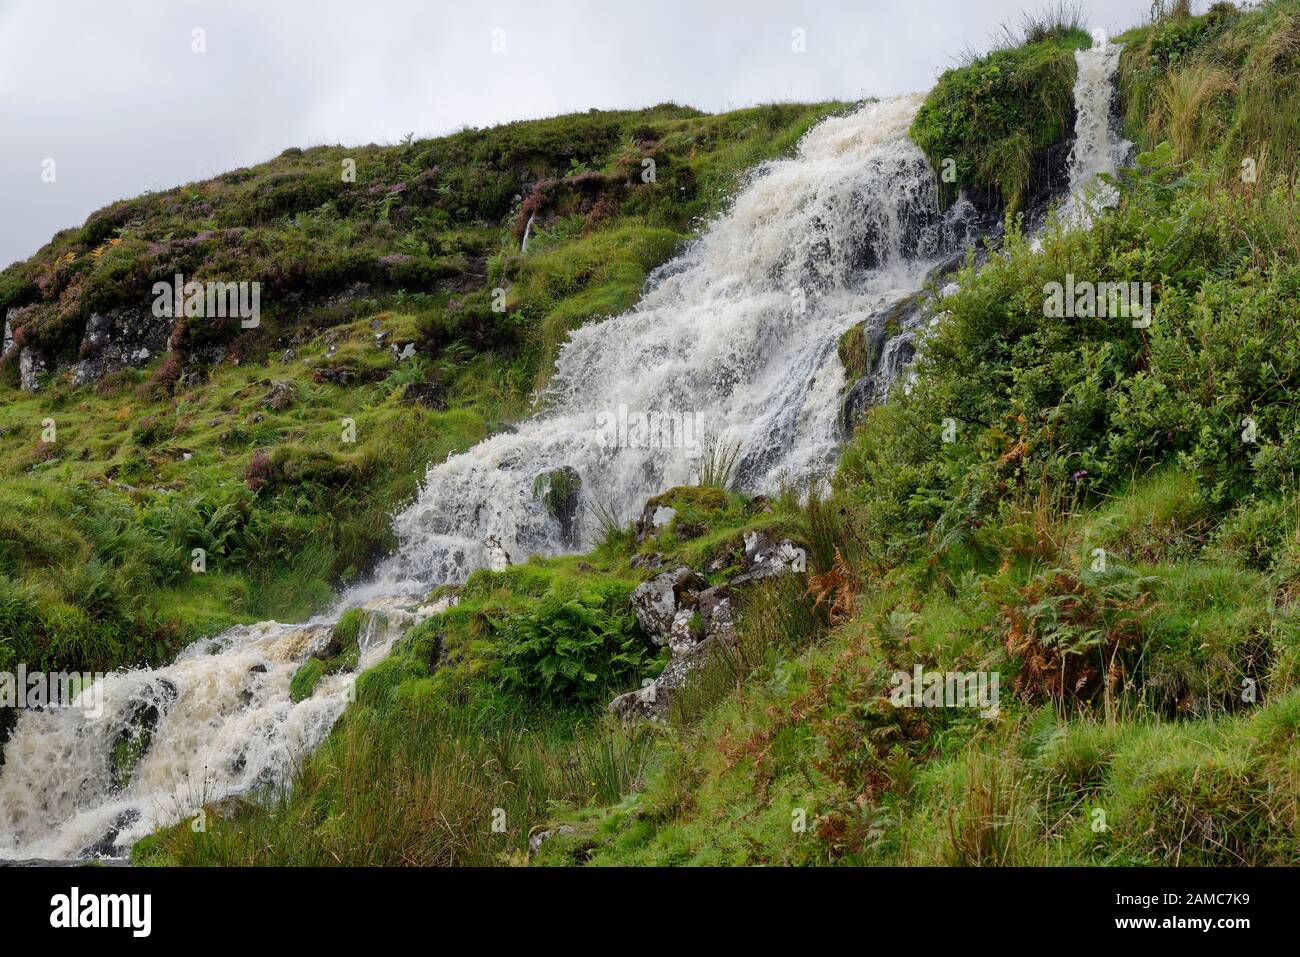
[(223, 723), (1098, 147), (737, 338)]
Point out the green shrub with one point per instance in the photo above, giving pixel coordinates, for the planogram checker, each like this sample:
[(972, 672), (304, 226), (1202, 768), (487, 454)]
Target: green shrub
[(574, 647)]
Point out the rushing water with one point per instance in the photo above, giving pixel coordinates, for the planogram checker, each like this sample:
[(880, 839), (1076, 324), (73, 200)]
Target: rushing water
[(1098, 148), (736, 338)]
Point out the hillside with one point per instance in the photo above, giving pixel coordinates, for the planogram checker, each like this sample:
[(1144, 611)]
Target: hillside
[(231, 439), (1099, 514)]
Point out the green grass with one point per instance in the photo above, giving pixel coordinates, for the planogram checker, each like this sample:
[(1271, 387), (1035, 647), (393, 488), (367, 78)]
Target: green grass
[(1222, 88)]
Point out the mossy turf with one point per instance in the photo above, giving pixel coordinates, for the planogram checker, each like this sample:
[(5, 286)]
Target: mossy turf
[(987, 120)]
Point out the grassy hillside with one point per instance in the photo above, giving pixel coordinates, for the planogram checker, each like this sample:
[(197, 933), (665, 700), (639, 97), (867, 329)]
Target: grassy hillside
[(233, 441), (1106, 516)]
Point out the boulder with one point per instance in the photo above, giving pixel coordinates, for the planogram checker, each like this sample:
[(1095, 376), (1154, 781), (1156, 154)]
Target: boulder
[(107, 845), (135, 734), (280, 397), (700, 622), (560, 491), (652, 701), (653, 517), (431, 395), (656, 602), (498, 559), (32, 367), (541, 837), (765, 557)]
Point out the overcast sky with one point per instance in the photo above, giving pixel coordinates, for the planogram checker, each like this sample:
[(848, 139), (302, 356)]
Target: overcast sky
[(114, 93)]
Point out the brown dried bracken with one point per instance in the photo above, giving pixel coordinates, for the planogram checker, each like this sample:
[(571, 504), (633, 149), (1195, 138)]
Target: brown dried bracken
[(835, 588)]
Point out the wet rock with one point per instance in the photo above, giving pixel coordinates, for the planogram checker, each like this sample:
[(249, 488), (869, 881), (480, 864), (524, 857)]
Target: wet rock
[(877, 351), (8, 719), (497, 556), (107, 846), (560, 490), (139, 722)]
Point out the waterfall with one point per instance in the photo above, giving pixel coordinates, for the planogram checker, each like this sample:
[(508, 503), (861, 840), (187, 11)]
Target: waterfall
[(1098, 147), (735, 338)]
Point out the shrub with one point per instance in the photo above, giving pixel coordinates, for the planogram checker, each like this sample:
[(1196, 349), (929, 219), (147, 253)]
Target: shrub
[(574, 647)]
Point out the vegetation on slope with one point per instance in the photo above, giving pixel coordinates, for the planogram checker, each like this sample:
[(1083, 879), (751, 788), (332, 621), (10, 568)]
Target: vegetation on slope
[(1114, 530), (234, 441), (1224, 87), (988, 122)]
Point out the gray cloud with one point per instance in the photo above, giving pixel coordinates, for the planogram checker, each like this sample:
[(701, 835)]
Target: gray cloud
[(114, 94)]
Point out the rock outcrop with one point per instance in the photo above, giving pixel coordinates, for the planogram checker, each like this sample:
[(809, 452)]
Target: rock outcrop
[(119, 339), (680, 610)]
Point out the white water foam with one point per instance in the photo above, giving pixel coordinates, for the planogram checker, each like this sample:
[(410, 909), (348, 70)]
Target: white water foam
[(1098, 150)]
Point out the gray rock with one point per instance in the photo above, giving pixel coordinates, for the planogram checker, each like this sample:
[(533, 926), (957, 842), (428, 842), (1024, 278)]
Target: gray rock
[(652, 702), (498, 558), (656, 602), (560, 490), (280, 397), (541, 837), (653, 517), (32, 367), (702, 621), (765, 557), (119, 339)]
